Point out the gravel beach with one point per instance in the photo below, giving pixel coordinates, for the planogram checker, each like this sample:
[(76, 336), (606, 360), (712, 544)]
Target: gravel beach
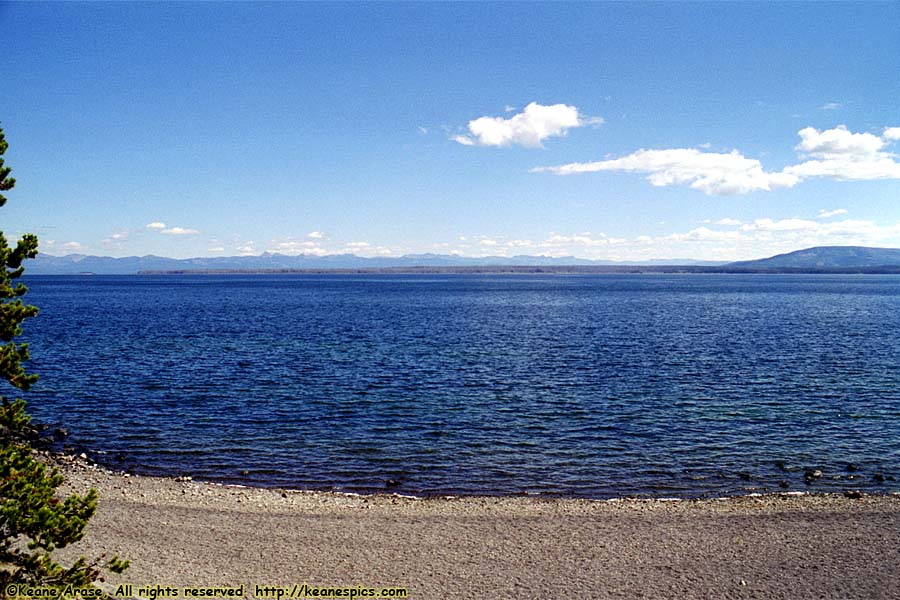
[(186, 533)]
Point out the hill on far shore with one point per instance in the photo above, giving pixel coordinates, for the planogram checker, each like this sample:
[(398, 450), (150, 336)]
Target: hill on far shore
[(826, 257)]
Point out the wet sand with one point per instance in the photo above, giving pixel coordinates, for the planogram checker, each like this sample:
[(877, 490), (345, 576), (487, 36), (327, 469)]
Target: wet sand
[(185, 533)]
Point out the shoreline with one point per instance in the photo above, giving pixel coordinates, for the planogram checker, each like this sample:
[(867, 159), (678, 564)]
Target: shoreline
[(182, 532)]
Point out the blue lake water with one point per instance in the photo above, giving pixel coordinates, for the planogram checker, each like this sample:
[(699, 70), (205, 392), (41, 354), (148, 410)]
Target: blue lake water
[(597, 386)]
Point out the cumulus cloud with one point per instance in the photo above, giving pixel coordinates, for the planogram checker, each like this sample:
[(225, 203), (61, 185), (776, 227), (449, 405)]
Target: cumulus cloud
[(710, 172), (728, 221), (836, 153), (838, 142), (529, 128), (156, 225), (825, 214), (179, 231), (316, 235), (845, 156)]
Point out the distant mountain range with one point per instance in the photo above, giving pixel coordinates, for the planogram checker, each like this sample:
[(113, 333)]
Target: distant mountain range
[(823, 258), (75, 264)]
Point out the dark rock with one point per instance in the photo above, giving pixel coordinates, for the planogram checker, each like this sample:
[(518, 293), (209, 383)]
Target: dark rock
[(784, 484), (854, 494), (60, 433), (811, 475), (852, 467), (392, 483), (878, 477), (780, 465), (743, 475), (120, 457), (245, 472)]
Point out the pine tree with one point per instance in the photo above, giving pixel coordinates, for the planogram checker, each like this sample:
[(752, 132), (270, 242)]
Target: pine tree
[(34, 521)]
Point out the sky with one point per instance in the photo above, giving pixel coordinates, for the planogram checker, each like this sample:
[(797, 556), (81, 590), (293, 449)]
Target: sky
[(615, 131)]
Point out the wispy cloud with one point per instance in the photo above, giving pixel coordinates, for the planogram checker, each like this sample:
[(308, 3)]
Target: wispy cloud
[(56, 246), (156, 225), (529, 128), (831, 106), (316, 235), (710, 172), (117, 240), (834, 153), (825, 214)]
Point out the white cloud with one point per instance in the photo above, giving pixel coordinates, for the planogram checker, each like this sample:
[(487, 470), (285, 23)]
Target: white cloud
[(423, 130), (295, 247), (837, 143), (528, 128), (216, 249), (831, 106), (710, 172), (179, 231), (781, 225), (584, 240), (55, 246), (761, 237), (116, 240), (509, 108), (156, 225), (488, 242), (316, 235), (825, 214), (358, 245), (704, 234), (834, 153), (246, 249), (726, 240)]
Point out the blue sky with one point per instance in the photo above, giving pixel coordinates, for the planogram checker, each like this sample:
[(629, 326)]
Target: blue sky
[(614, 131)]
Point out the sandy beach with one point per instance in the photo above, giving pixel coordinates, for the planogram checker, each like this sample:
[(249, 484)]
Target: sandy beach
[(186, 533)]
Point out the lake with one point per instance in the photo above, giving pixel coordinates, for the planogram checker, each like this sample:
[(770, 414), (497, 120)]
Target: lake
[(594, 385)]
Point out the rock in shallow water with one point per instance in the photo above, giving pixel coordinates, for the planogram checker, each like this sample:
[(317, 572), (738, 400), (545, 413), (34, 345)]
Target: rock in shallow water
[(811, 475)]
